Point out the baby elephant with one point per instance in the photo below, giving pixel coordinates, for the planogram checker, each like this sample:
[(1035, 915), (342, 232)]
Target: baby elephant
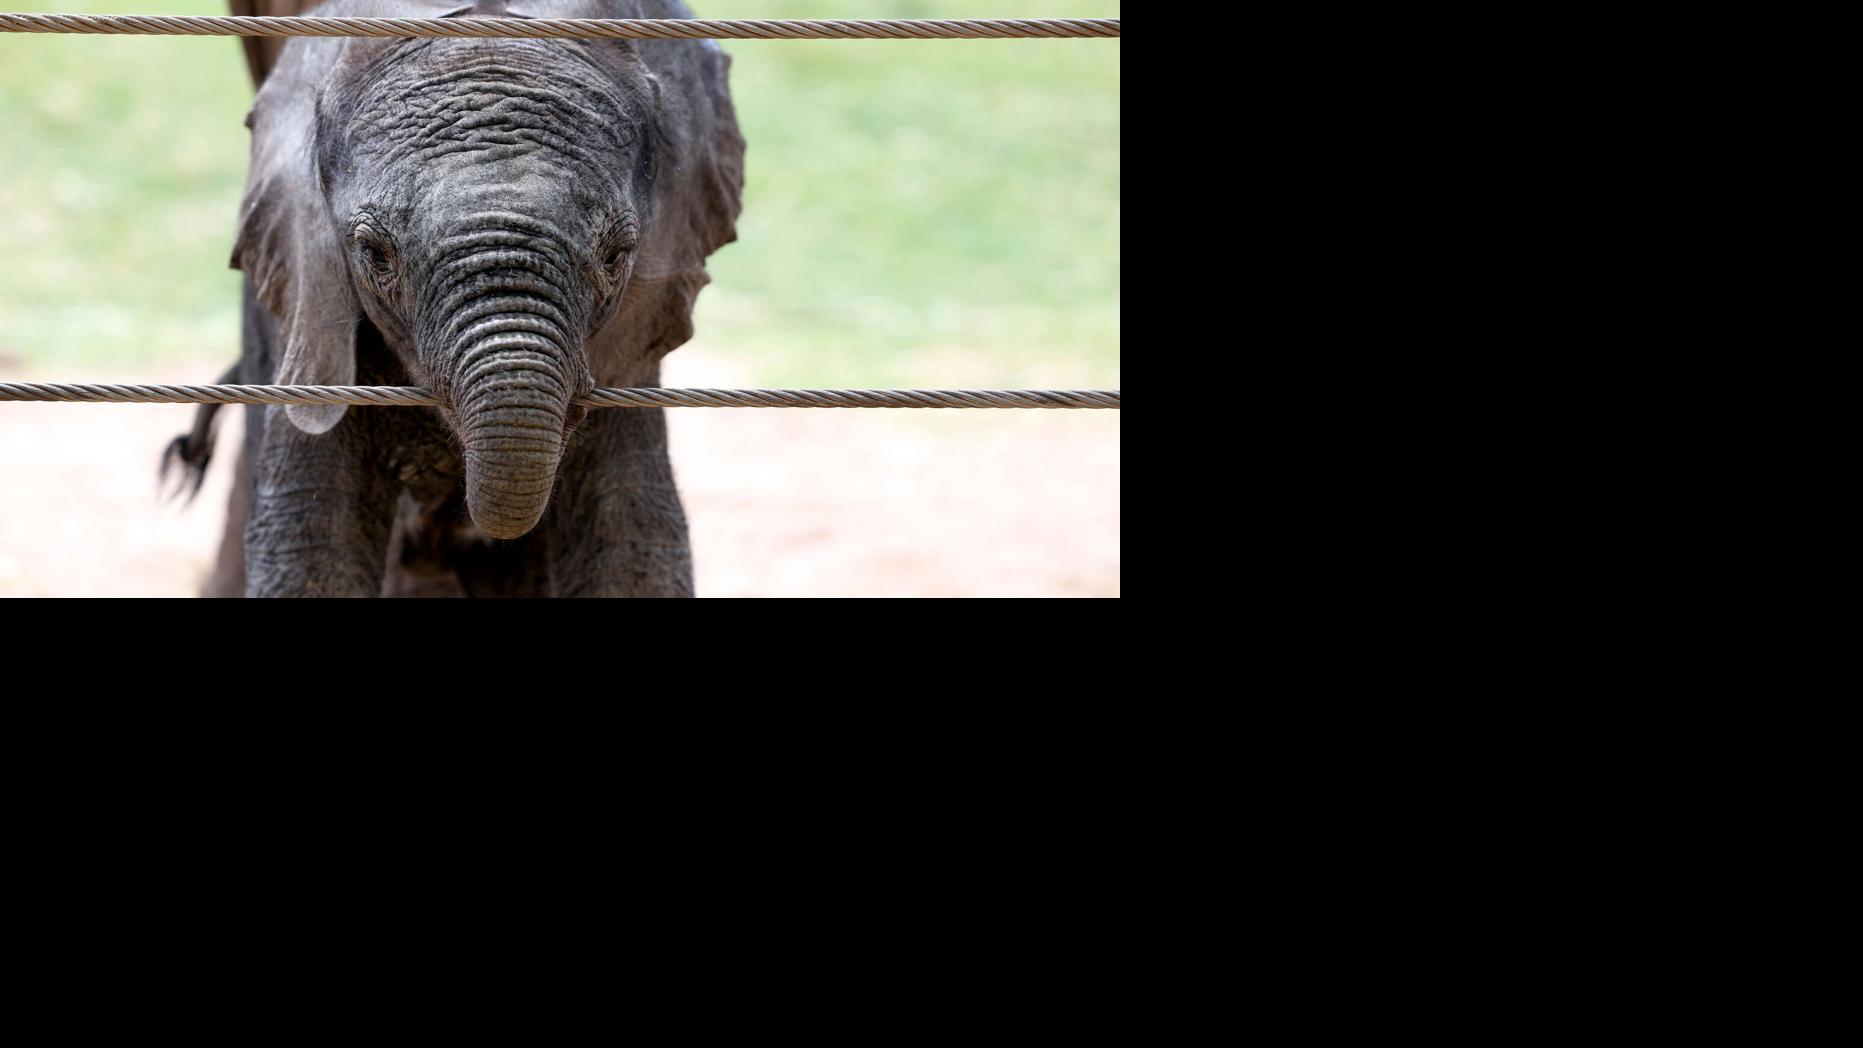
[(509, 223)]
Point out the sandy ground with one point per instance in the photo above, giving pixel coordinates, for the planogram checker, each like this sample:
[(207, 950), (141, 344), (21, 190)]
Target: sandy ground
[(781, 502)]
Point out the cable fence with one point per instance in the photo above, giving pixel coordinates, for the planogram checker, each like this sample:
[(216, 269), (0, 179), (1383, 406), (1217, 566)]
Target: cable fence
[(639, 397), (572, 28), (566, 29)]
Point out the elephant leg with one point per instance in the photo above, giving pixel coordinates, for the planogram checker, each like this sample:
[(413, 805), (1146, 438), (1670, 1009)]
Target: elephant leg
[(616, 527), (322, 507), (229, 572)]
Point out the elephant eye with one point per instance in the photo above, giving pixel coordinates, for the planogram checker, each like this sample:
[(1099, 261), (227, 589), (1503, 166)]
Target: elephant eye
[(623, 237), (375, 259), (373, 249)]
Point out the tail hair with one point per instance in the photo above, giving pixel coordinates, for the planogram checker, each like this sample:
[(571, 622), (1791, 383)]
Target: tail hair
[(185, 459)]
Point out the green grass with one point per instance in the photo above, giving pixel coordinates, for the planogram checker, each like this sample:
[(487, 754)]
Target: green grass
[(936, 212)]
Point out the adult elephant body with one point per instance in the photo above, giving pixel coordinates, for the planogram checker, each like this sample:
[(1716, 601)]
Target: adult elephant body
[(510, 223)]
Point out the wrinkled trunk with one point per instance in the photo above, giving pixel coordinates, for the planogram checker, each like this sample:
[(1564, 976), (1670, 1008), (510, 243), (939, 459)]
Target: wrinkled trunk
[(512, 417), (506, 339)]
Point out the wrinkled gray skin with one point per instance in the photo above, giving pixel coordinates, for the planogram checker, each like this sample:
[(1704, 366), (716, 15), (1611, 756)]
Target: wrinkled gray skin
[(510, 224)]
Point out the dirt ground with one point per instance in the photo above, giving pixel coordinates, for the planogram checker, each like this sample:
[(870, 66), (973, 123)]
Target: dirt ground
[(781, 502)]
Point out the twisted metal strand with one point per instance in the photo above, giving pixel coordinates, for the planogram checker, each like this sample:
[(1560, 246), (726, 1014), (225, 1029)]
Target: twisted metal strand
[(411, 396), (572, 28), (854, 398), (77, 392)]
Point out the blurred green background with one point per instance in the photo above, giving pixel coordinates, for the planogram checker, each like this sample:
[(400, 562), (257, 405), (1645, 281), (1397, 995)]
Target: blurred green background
[(916, 213)]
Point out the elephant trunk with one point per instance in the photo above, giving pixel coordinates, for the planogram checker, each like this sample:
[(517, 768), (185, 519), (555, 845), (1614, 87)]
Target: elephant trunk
[(508, 362), (513, 410)]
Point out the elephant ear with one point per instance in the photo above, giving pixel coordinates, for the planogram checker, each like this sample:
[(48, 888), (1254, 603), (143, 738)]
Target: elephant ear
[(262, 51), (698, 165), (699, 176), (288, 243)]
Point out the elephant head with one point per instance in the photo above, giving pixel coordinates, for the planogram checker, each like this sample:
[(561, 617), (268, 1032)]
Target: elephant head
[(516, 219)]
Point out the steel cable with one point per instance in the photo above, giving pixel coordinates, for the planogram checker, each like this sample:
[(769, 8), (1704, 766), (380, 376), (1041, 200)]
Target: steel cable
[(644, 397), (572, 28)]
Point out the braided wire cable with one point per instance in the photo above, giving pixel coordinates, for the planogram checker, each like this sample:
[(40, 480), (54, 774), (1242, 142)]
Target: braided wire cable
[(642, 397), (571, 28)]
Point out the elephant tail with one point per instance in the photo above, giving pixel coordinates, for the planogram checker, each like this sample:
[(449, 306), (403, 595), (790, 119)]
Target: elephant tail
[(185, 459)]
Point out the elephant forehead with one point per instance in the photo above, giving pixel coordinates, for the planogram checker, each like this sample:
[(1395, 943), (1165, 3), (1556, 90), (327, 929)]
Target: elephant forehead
[(488, 103)]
